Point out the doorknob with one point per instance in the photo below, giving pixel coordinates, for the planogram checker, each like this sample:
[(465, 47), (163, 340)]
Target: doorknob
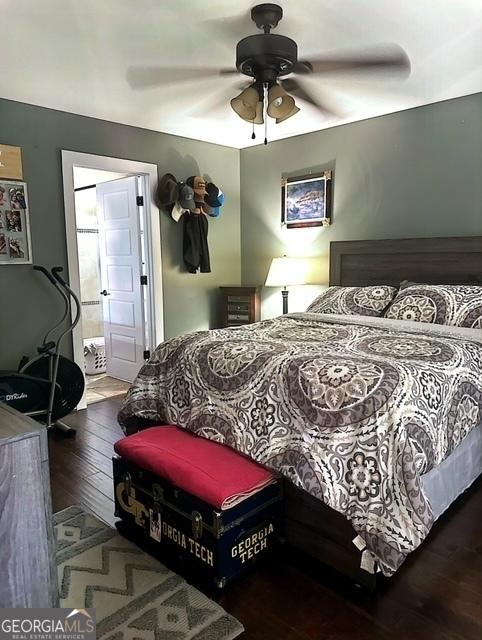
[(104, 293)]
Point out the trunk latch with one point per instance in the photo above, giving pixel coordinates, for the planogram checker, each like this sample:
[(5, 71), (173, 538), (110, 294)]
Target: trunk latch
[(197, 525), (158, 495)]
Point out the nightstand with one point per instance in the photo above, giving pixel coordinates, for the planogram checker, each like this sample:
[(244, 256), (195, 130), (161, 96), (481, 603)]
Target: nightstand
[(240, 305)]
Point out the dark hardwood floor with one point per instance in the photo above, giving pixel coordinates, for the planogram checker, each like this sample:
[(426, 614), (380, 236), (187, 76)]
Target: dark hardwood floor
[(436, 595)]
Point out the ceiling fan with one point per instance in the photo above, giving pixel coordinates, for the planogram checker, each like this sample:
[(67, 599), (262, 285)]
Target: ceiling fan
[(271, 61)]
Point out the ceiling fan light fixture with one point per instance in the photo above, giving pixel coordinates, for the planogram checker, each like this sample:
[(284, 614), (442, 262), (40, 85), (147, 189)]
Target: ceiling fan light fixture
[(293, 112), (280, 104), (246, 104), (259, 119)]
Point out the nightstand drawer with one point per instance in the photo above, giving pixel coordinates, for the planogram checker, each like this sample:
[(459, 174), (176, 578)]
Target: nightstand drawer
[(238, 316), (235, 307), (238, 299), (239, 305)]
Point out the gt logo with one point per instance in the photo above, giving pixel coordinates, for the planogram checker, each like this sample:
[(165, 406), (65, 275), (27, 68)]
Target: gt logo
[(132, 505)]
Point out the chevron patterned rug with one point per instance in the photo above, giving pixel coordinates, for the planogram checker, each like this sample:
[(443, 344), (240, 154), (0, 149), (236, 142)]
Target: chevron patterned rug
[(135, 596)]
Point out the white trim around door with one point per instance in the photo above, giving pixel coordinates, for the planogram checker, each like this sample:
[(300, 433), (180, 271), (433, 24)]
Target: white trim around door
[(147, 172)]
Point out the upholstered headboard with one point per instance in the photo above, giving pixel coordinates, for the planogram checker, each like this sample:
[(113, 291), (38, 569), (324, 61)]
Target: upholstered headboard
[(428, 260)]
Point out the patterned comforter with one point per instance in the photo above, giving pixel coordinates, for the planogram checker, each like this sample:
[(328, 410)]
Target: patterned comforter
[(354, 410)]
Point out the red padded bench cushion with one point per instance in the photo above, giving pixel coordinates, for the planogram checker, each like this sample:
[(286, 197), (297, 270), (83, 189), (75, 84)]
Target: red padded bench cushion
[(209, 470)]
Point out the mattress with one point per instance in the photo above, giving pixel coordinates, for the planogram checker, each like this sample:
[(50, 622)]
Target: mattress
[(354, 410)]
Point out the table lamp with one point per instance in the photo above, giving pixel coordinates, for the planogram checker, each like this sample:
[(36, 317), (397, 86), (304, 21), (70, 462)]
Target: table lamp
[(285, 272)]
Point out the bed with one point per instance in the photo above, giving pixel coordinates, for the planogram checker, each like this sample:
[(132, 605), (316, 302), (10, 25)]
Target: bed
[(223, 385)]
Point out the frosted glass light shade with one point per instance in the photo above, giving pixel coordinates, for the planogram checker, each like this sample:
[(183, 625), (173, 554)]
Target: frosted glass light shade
[(280, 103), (293, 112), (246, 103), (259, 119)]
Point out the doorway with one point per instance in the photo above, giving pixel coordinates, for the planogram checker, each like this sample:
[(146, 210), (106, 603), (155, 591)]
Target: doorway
[(111, 227)]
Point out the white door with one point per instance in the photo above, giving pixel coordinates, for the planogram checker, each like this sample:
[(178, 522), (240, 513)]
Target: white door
[(120, 251)]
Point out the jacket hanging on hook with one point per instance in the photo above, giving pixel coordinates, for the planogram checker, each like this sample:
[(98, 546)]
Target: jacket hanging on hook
[(195, 242)]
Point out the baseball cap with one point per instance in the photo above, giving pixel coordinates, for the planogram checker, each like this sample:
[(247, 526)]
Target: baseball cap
[(167, 189), (177, 211), (216, 211), (198, 184), (212, 195), (186, 197)]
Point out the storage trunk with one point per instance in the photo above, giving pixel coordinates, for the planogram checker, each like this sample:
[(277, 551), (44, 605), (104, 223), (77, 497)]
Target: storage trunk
[(216, 544)]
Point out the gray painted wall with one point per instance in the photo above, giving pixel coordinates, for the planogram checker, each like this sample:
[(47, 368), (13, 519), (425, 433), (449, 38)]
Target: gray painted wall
[(411, 174), (415, 173), (27, 306)]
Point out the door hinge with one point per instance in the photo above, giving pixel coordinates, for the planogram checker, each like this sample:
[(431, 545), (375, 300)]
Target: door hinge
[(147, 354), (140, 201), (143, 279)]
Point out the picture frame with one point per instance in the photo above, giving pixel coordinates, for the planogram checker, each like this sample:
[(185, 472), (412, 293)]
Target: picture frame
[(15, 240), (306, 201), (10, 162)]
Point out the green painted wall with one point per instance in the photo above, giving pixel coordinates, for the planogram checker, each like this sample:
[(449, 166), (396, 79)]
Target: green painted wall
[(414, 173), (190, 301)]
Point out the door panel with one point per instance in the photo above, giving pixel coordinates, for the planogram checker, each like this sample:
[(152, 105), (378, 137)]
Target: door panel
[(116, 207), (118, 242), (120, 278), (121, 268), (122, 313), (123, 347)]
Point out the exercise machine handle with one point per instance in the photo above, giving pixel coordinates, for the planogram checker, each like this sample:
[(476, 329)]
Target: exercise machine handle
[(64, 295), (56, 271), (56, 274), (46, 273)]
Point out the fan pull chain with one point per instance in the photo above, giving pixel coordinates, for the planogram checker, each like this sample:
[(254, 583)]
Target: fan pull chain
[(253, 135), (265, 109)]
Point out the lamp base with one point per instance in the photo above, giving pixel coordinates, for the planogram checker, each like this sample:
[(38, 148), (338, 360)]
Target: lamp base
[(284, 293)]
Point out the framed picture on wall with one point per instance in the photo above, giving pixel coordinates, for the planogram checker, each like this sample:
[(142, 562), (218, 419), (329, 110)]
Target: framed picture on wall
[(306, 201), (15, 242), (10, 162)]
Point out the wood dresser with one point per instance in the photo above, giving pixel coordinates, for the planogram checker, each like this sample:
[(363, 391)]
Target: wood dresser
[(27, 548), (240, 305)]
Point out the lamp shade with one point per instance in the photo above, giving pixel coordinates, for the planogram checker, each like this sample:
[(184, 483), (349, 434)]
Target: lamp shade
[(285, 271), (246, 103)]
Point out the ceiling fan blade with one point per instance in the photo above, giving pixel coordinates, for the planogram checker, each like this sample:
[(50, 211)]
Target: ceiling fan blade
[(230, 29), (217, 104), (301, 91), (148, 77), (383, 58)]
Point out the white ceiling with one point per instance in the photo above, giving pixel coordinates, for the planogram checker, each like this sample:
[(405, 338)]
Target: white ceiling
[(73, 55)]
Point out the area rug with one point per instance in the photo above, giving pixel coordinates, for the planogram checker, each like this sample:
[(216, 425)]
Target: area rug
[(134, 595)]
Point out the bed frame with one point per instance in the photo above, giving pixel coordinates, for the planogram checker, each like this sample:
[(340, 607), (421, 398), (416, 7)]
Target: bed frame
[(310, 526)]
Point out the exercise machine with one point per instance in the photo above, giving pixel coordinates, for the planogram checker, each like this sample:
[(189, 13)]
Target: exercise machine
[(48, 386)]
